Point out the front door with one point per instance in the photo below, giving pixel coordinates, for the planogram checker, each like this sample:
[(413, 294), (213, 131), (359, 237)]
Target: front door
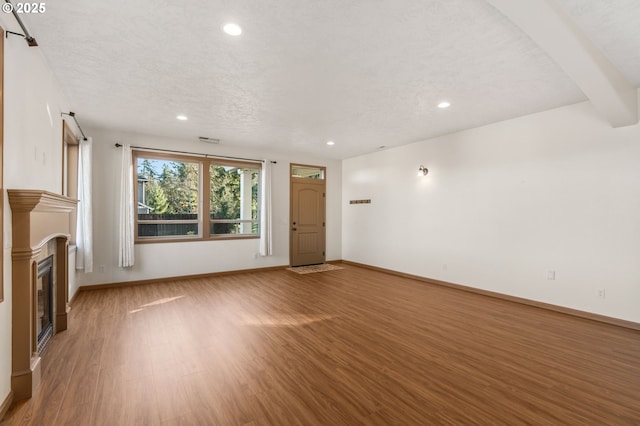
[(307, 233)]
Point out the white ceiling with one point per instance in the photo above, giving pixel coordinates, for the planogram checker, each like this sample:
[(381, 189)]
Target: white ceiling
[(363, 73)]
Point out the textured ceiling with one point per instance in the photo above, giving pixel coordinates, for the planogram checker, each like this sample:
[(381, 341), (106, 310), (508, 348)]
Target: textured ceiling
[(614, 27), (363, 73)]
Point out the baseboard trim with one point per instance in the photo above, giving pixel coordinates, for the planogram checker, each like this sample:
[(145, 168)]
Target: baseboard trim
[(179, 277), (548, 306), (6, 405)]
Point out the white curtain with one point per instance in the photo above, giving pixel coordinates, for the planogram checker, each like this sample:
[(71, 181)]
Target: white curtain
[(266, 245), (84, 236), (127, 210)]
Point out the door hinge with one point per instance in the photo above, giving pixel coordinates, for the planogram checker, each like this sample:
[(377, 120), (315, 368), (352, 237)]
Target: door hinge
[(322, 223), (323, 195), (323, 253)]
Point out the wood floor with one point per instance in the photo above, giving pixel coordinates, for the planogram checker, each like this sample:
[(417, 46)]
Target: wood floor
[(351, 346)]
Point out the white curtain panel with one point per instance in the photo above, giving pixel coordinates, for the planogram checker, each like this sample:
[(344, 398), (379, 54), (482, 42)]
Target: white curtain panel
[(126, 256), (266, 245), (84, 225)]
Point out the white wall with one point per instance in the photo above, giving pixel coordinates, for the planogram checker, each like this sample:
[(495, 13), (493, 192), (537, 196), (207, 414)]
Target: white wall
[(33, 102), (506, 203), (73, 282), (187, 258)]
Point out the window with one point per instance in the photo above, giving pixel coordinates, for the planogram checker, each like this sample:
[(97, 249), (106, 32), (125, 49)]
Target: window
[(168, 197), (172, 198), (70, 171), (234, 199), (69, 162), (307, 172)]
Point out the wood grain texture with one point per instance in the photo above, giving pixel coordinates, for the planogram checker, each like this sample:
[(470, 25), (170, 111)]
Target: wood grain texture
[(179, 278), (6, 404), (562, 309), (351, 346)]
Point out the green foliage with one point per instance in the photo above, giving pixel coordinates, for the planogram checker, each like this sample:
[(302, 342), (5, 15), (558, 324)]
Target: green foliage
[(225, 193), (172, 188), (179, 182), (145, 169), (226, 197), (156, 198)]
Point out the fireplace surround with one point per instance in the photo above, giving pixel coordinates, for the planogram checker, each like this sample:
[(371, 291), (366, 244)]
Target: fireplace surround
[(41, 228)]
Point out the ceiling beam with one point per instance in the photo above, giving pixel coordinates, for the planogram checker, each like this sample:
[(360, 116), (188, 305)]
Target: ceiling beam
[(607, 89)]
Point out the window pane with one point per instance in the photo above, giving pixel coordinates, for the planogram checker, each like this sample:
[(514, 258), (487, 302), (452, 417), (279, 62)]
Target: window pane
[(234, 196), (167, 229), (168, 197), (307, 172), (246, 228)]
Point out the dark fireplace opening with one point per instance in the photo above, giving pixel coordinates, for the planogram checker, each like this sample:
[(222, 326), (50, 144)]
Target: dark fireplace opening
[(44, 318)]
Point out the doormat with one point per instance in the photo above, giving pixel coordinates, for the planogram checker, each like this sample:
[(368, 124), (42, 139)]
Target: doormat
[(310, 269)]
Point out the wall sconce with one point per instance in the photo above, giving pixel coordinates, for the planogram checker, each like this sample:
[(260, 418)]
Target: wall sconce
[(422, 171)]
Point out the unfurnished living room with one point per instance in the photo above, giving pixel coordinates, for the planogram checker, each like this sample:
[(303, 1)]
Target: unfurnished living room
[(320, 212)]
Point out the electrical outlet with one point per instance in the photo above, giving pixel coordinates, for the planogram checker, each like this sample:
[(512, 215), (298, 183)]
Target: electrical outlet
[(601, 293), (551, 275), (101, 269)]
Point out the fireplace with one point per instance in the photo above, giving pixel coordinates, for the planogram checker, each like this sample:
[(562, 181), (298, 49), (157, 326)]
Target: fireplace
[(41, 226), (44, 315)]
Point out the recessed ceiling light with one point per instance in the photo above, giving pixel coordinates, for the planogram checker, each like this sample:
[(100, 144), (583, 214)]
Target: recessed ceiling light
[(182, 117), (444, 104), (232, 29), (330, 143)]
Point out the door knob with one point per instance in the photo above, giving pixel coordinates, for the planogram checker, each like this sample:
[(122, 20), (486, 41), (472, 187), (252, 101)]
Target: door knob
[(293, 229)]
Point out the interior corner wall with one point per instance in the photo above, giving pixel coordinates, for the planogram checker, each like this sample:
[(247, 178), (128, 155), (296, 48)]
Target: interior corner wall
[(506, 208), (33, 102), (160, 260)]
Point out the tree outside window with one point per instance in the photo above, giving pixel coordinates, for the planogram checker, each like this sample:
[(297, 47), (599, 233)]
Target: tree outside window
[(171, 197)]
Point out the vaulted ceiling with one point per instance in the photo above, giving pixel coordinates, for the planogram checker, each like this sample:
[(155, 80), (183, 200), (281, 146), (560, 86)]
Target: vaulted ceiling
[(362, 73)]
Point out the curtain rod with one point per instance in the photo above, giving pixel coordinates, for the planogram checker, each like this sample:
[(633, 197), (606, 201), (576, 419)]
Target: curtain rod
[(8, 7), (118, 145), (73, 115)]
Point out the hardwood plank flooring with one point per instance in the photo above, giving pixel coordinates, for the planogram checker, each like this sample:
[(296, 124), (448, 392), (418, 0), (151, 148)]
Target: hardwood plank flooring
[(351, 346)]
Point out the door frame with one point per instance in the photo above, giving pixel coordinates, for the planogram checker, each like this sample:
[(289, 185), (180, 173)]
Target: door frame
[(293, 180)]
